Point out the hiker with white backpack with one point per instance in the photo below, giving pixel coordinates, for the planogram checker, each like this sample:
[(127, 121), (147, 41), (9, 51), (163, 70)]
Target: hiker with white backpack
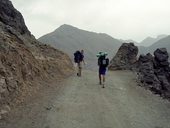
[(103, 63)]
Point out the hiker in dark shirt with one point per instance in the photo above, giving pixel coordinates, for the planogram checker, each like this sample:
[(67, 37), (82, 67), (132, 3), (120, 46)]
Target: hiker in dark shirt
[(79, 59)]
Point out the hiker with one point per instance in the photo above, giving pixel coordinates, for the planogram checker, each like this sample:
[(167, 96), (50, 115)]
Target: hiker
[(103, 62), (79, 59)]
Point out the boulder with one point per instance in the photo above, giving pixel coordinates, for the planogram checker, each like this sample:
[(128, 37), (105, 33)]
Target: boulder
[(161, 55), (146, 73), (154, 72), (125, 58)]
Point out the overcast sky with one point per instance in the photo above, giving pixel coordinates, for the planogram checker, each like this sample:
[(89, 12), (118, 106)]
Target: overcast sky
[(125, 19)]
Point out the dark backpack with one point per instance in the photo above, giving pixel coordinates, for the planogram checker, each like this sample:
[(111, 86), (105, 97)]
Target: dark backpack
[(103, 62), (78, 57)]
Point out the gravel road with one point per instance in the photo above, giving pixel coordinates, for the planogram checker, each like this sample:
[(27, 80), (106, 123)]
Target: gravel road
[(80, 102)]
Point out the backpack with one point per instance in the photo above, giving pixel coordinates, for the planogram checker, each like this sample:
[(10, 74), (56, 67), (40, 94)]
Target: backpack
[(103, 62), (78, 57)]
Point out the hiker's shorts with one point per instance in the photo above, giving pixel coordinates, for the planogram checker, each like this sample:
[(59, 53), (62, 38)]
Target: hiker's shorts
[(102, 70)]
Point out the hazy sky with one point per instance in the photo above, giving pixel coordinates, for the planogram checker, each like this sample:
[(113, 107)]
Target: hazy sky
[(125, 19)]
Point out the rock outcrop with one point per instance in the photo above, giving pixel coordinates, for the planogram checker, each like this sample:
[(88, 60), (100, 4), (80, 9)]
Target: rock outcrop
[(125, 58), (154, 72), (11, 17), (24, 62)]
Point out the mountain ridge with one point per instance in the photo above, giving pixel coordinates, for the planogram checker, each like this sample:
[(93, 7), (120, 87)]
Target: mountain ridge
[(70, 39), (162, 43), (148, 41)]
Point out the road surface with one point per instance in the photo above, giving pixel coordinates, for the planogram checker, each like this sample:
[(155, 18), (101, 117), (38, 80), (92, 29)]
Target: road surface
[(82, 103)]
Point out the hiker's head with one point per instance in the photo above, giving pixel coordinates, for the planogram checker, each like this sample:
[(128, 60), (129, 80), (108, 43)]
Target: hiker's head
[(82, 51), (102, 54)]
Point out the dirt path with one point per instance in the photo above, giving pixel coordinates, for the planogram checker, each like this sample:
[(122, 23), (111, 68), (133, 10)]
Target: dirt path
[(82, 103)]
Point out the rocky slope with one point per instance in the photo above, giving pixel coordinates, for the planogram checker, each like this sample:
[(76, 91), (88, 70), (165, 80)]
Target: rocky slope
[(24, 61), (153, 70), (70, 39)]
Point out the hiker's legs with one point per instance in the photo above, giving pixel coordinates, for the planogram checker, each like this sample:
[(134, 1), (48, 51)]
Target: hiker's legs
[(100, 79), (79, 69), (102, 72), (103, 76), (103, 80), (100, 76)]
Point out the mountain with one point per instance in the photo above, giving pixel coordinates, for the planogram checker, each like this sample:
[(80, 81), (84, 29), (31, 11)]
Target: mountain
[(150, 40), (162, 43), (25, 63), (70, 39)]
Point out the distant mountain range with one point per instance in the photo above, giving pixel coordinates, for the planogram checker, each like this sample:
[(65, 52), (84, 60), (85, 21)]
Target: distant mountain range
[(150, 40), (150, 44), (162, 43), (69, 39)]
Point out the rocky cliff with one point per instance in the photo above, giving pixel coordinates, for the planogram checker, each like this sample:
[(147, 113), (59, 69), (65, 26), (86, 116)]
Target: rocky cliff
[(24, 61), (11, 17), (153, 70)]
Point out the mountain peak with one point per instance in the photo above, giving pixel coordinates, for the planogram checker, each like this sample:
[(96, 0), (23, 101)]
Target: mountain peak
[(66, 27), (161, 36)]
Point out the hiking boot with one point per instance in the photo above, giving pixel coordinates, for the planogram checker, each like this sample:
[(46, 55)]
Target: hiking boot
[(79, 75), (103, 85)]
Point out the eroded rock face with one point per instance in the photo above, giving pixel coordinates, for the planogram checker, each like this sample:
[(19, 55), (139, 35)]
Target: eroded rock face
[(147, 74), (125, 57), (10, 16), (154, 72), (24, 61)]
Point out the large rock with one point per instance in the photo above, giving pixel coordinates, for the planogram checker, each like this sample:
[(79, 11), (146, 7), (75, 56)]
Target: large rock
[(161, 57), (154, 72), (125, 57), (146, 73)]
